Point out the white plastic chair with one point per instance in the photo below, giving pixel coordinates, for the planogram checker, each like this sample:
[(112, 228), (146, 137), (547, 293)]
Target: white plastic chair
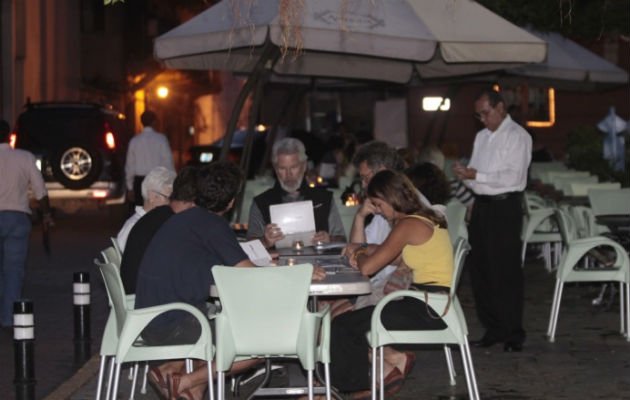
[(456, 331), (610, 202), (264, 314), (582, 189), (128, 325), (575, 250), (456, 218)]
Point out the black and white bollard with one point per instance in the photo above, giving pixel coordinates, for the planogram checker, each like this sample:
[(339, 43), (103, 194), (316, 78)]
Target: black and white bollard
[(24, 350), (81, 301)]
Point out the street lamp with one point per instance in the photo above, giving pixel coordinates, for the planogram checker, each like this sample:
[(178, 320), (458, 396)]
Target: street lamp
[(162, 92)]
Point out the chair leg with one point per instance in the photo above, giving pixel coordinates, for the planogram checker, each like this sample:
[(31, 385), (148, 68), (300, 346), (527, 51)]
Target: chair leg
[(381, 372), (449, 363), (110, 378), (143, 390), (469, 370), (101, 373), (552, 313), (210, 382), (327, 376), (220, 385), (116, 380), (310, 384), (134, 369), (625, 294), (556, 311), (374, 360)]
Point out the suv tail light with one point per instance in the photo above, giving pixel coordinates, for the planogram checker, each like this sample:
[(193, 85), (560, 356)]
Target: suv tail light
[(12, 139), (110, 141)]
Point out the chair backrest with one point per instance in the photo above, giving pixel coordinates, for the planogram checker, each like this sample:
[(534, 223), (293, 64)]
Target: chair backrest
[(115, 290), (538, 168), (264, 305), (549, 176), (456, 219), (460, 250), (584, 221), (610, 202), (112, 256), (582, 189), (567, 226)]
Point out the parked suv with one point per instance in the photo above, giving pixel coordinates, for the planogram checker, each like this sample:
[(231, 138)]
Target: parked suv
[(79, 147)]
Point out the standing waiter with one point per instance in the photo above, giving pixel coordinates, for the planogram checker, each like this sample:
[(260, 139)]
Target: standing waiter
[(497, 174), (19, 174), (147, 150)]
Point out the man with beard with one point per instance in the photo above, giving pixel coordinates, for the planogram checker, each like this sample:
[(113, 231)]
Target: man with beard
[(288, 158)]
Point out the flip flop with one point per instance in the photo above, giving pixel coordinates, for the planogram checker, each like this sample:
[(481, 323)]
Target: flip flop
[(157, 382)]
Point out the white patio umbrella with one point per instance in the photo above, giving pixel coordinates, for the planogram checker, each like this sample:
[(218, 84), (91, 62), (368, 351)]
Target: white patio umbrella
[(384, 40), (568, 61)]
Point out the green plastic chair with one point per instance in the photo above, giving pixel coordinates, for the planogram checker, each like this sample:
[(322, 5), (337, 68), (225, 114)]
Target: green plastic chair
[(575, 250), (456, 331), (129, 323), (264, 314)]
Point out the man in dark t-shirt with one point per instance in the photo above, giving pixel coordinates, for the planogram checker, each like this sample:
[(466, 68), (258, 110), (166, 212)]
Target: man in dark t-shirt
[(176, 267)]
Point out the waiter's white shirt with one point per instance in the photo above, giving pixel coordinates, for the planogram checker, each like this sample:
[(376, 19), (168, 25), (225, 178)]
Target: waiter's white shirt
[(501, 159), (147, 150)]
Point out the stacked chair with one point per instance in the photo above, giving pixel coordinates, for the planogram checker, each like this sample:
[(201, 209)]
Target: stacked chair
[(456, 331), (539, 227)]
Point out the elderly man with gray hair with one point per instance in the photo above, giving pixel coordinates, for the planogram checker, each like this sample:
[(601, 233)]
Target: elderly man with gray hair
[(156, 190), (288, 158)]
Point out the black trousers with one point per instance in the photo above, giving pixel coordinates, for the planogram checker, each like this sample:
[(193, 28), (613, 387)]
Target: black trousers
[(495, 266), (350, 365), (137, 190)]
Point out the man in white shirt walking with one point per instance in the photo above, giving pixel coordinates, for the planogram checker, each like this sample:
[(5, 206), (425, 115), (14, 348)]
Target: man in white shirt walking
[(19, 175), (147, 150), (497, 174)]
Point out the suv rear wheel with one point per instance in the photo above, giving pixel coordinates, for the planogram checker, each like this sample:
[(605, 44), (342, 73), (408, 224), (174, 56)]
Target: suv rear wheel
[(77, 167)]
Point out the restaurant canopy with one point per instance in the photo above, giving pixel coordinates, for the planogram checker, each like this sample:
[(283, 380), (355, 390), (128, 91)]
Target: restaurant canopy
[(569, 62), (385, 40)]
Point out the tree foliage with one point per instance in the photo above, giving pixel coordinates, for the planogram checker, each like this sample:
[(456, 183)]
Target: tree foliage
[(587, 19)]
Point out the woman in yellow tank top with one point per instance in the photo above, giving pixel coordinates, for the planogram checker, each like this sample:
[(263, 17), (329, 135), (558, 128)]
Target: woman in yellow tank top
[(420, 240)]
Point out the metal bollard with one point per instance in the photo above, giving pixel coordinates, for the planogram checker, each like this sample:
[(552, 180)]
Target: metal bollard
[(24, 350), (81, 301)]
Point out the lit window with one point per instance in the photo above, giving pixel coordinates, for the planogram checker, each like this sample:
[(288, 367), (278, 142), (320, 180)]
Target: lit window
[(436, 103)]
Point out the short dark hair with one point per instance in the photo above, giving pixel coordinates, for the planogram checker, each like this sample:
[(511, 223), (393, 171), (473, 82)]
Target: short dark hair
[(185, 184), (494, 97), (398, 191), (378, 154), (148, 118), (5, 129), (217, 185), (429, 179)]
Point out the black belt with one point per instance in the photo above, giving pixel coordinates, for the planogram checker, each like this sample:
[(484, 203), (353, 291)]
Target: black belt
[(497, 197)]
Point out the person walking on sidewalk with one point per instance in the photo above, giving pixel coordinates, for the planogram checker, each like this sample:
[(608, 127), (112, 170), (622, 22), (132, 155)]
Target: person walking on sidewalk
[(19, 174), (497, 174), (147, 150)]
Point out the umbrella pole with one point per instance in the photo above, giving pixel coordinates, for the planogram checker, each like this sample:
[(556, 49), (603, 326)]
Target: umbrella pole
[(269, 52)]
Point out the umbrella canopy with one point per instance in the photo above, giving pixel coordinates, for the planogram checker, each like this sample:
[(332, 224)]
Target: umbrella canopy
[(568, 61), (387, 40)]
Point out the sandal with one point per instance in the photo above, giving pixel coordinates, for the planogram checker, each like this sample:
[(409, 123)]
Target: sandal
[(158, 383), (173, 388)]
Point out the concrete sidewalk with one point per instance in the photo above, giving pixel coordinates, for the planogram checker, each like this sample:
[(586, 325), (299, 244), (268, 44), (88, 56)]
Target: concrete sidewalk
[(589, 360)]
